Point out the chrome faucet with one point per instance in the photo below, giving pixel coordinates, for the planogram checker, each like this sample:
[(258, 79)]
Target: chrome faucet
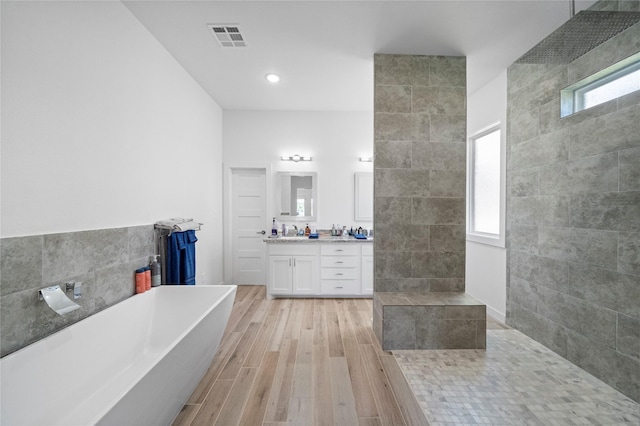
[(76, 287)]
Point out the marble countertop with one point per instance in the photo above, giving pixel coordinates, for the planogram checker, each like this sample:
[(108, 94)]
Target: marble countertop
[(322, 239)]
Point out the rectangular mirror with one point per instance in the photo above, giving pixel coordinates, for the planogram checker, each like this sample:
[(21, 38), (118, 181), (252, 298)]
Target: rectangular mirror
[(363, 194), (296, 196)]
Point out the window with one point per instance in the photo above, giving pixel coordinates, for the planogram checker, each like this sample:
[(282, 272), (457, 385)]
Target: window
[(610, 83), (300, 207), (485, 198)]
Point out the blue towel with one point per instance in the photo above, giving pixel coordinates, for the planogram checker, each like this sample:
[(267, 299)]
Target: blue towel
[(181, 258), (314, 236), (360, 236)]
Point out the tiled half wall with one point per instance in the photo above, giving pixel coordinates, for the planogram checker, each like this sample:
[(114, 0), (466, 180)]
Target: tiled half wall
[(103, 260), (573, 217)]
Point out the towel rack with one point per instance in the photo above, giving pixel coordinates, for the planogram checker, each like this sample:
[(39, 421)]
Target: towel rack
[(179, 226), (164, 229)]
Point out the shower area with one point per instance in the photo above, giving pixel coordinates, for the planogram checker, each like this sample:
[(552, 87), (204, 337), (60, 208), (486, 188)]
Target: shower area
[(573, 196)]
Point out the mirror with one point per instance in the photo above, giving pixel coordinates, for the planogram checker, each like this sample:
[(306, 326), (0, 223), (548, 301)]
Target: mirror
[(296, 197), (363, 194)]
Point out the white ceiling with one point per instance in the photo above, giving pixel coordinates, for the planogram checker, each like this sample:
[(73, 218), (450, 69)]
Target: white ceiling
[(323, 50)]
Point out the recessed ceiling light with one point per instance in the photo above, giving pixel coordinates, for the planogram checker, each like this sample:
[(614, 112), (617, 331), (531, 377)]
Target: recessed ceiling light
[(272, 78)]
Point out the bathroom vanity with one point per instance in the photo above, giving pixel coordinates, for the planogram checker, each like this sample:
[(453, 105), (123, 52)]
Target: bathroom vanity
[(325, 267)]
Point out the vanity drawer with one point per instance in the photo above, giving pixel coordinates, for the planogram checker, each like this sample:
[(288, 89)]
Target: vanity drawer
[(340, 249), (339, 274), (339, 287), (339, 261), (293, 249)]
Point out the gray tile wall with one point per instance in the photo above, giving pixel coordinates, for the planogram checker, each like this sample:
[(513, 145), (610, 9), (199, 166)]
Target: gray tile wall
[(419, 171), (573, 215), (103, 260), (617, 5)]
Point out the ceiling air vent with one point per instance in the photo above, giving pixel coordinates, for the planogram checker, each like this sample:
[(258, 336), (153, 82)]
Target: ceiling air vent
[(228, 35)]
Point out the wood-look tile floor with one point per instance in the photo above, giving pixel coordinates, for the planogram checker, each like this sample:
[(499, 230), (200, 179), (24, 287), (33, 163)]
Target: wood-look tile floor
[(301, 362)]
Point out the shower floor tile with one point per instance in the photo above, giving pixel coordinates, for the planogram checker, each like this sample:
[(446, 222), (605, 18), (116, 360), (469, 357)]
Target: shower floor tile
[(516, 381)]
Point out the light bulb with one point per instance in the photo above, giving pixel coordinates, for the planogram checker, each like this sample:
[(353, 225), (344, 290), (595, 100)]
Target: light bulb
[(272, 78)]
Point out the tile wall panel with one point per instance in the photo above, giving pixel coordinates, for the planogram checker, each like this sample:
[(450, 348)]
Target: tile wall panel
[(103, 260), (419, 197), (420, 180), (573, 215)]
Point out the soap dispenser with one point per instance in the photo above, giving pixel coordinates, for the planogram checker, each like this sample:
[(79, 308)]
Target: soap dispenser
[(156, 272), (307, 230)]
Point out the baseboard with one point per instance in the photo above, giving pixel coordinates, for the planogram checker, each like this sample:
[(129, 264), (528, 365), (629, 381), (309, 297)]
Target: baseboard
[(498, 316)]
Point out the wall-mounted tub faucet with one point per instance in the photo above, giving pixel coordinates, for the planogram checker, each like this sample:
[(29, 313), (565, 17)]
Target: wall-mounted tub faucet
[(76, 287), (57, 300)]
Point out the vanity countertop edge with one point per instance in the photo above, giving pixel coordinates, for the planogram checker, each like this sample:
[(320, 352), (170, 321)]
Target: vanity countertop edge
[(321, 240)]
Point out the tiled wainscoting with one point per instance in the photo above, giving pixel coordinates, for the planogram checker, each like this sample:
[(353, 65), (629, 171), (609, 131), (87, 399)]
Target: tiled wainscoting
[(103, 260)]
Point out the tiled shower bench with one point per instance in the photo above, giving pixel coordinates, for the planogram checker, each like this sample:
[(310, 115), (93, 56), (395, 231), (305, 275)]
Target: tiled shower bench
[(429, 321)]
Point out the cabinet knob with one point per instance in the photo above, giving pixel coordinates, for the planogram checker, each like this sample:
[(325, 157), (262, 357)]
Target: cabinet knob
[(339, 261), (339, 273), (339, 286)]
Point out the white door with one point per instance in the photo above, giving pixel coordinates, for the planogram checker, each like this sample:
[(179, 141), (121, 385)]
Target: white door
[(305, 275), (248, 214)]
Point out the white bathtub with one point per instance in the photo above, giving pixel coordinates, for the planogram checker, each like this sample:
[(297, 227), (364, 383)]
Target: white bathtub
[(135, 363)]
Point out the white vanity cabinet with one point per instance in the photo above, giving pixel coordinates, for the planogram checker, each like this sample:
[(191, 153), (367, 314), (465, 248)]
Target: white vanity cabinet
[(293, 270), (338, 269), (367, 269)]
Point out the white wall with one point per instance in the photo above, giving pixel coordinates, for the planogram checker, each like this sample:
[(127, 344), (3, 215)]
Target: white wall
[(101, 128), (335, 140), (486, 266)]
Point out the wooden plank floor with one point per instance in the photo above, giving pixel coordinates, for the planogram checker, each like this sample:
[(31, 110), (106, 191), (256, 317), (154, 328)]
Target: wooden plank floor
[(301, 362)]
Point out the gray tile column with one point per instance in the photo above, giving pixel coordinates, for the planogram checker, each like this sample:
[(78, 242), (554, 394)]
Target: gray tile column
[(419, 194), (420, 163)]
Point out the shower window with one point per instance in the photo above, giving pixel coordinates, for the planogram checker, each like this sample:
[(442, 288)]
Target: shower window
[(485, 197), (611, 83)]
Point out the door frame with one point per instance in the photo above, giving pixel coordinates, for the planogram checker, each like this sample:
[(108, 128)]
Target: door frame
[(227, 218)]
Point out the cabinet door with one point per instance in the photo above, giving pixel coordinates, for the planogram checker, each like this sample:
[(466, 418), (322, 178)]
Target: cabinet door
[(367, 274), (280, 278), (305, 275)]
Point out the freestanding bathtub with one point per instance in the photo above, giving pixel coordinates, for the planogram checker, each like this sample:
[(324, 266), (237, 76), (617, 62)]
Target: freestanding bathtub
[(135, 363)]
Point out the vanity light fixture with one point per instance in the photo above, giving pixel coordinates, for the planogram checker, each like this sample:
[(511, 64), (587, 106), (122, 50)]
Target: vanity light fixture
[(366, 159), (272, 78), (295, 158)]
